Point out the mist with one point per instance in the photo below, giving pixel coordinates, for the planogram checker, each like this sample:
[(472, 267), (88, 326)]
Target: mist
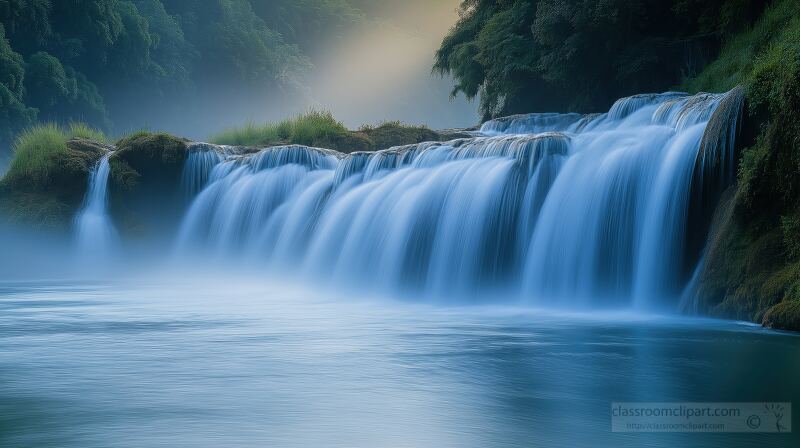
[(380, 70)]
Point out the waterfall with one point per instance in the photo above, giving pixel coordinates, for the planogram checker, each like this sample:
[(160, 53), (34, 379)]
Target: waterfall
[(94, 229), (563, 209)]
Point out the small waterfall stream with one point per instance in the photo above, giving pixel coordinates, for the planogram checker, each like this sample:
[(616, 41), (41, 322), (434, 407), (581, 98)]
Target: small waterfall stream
[(94, 229)]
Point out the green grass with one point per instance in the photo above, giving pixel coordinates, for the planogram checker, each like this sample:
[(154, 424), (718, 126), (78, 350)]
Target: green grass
[(312, 127), (46, 180), (305, 129), (388, 123), (36, 153), (83, 130), (777, 67), (39, 151), (250, 134), (323, 130)]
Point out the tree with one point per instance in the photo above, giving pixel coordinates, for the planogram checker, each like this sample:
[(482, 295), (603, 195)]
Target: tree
[(46, 81), (14, 114), (144, 61), (580, 55)]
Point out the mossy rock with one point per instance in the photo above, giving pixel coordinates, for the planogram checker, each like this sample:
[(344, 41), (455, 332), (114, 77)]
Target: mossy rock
[(145, 180), (345, 142), (144, 152), (122, 175), (745, 270), (321, 130), (34, 210), (392, 134), (783, 316), (88, 151), (454, 134), (52, 204), (73, 166), (385, 136)]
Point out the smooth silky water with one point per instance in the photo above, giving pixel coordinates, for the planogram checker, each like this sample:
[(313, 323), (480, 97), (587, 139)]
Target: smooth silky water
[(232, 363), (494, 291), (558, 210)]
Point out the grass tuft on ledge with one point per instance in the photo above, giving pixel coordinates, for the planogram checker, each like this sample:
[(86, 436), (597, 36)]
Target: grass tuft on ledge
[(39, 151), (36, 152), (84, 131), (303, 129), (47, 177), (321, 129)]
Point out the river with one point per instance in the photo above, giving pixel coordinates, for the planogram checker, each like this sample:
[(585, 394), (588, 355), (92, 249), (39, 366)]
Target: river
[(237, 363)]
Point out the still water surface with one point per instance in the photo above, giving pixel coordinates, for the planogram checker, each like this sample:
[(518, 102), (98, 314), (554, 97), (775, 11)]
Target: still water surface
[(232, 364)]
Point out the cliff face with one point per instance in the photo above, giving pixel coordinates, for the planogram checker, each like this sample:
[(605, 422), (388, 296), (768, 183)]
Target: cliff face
[(752, 268)]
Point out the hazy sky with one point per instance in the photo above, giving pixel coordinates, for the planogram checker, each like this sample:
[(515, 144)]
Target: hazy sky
[(383, 70)]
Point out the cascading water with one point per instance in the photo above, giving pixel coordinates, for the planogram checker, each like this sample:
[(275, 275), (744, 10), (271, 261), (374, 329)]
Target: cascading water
[(94, 229), (564, 209)]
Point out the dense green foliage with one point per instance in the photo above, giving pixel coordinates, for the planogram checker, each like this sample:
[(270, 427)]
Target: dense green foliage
[(581, 55), (113, 63), (14, 114), (753, 269), (321, 129)]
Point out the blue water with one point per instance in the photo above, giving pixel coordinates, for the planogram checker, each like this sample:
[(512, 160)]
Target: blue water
[(555, 209), (258, 364)]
